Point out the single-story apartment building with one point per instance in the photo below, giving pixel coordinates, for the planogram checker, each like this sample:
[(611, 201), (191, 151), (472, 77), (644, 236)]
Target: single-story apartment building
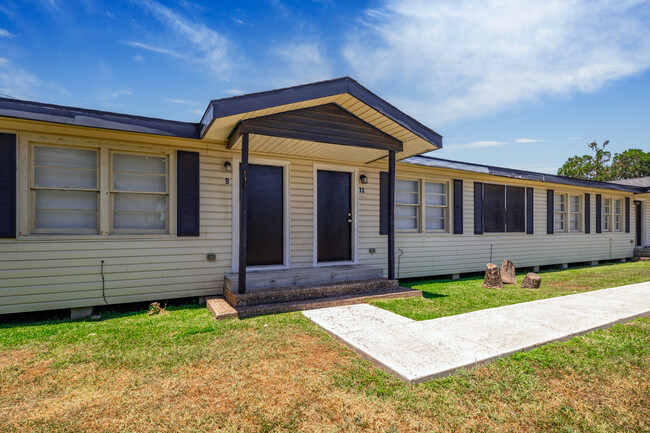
[(104, 208)]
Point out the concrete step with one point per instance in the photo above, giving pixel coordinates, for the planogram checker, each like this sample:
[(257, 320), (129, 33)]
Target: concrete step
[(333, 301), (640, 252), (272, 295), (302, 276)]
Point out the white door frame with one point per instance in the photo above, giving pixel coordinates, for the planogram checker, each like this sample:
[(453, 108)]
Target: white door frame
[(354, 195), (286, 195)]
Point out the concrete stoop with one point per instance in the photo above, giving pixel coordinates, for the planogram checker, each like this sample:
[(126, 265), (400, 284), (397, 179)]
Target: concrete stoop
[(642, 252), (271, 300)]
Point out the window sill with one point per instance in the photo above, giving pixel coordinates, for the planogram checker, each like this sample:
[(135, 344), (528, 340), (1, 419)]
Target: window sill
[(82, 237)]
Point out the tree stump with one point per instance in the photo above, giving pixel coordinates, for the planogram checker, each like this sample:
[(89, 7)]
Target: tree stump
[(492, 278), (531, 281), (508, 272)]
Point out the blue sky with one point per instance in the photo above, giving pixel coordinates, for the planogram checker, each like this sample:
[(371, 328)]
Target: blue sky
[(522, 84)]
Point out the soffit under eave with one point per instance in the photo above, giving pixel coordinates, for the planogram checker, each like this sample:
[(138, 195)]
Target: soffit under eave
[(220, 128)]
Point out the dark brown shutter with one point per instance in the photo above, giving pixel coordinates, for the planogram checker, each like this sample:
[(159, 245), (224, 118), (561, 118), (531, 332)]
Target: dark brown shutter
[(587, 213), (7, 186), (599, 228), (478, 208), (458, 206), (550, 202), (530, 206), (383, 202), (187, 193), (627, 214)]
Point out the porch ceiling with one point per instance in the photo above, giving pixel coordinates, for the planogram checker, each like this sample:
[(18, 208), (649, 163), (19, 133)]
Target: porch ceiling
[(223, 116), (310, 149)]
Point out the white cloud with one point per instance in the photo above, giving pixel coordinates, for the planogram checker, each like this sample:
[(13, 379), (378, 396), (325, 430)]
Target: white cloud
[(201, 43), (5, 34), (529, 140), (118, 93), (304, 63), (16, 82), (451, 60), (180, 101), (154, 49), (540, 168), (476, 145), (576, 138), (234, 92), (110, 97)]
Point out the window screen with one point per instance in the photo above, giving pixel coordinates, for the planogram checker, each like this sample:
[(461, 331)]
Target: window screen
[(407, 203), (435, 206), (515, 209), (494, 205), (65, 190), (504, 208), (139, 193)]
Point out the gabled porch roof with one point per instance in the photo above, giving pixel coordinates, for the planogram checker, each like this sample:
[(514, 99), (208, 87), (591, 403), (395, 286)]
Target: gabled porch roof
[(323, 131), (224, 116)]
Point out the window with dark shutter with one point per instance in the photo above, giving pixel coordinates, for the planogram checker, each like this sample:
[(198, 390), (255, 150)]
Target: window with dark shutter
[(187, 193), (504, 209), (7, 186)]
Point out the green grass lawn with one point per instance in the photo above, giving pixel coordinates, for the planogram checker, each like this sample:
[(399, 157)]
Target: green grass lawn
[(443, 297), (184, 371)]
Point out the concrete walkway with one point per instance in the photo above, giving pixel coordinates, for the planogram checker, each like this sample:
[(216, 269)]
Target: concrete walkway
[(418, 351)]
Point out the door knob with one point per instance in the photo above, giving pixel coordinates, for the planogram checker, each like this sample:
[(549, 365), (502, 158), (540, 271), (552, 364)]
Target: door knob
[(349, 214), (349, 220)]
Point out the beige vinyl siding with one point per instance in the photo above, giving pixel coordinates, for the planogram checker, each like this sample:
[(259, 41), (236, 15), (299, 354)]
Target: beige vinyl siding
[(40, 272), (426, 254), (302, 213)]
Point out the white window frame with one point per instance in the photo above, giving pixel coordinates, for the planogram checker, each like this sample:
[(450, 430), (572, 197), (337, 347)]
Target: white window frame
[(579, 214), (421, 206), (561, 213), (567, 213), (34, 188), (113, 192), (417, 206), (607, 221), (26, 195), (445, 207), (617, 217)]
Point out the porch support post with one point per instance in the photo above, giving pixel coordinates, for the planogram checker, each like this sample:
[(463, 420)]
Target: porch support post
[(391, 215), (243, 213)]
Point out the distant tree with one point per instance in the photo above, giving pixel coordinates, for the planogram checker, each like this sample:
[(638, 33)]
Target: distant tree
[(625, 165), (589, 167), (630, 164)]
